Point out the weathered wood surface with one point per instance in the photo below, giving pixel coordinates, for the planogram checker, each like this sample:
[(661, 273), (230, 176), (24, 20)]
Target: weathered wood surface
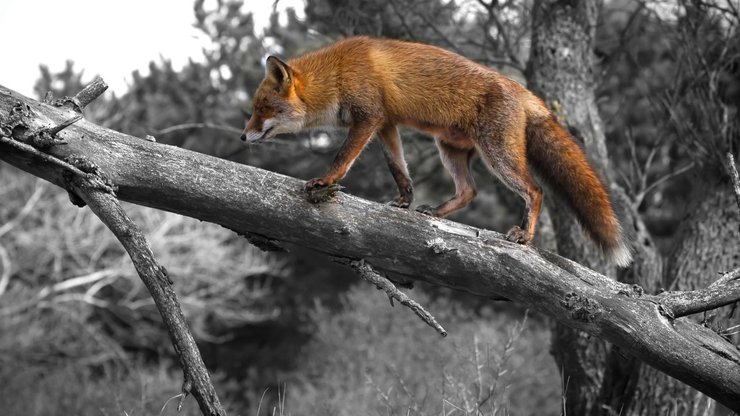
[(251, 200)]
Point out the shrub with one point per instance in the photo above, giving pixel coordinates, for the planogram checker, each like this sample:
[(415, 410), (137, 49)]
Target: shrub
[(369, 358)]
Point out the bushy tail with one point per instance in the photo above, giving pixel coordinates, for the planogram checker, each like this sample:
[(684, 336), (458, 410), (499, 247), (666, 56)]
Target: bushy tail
[(558, 160)]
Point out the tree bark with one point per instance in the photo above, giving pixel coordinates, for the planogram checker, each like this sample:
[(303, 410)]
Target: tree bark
[(272, 208)]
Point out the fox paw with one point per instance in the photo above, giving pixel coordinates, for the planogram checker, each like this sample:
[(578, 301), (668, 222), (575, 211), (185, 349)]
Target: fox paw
[(315, 183), (318, 190), (517, 235), (400, 202), (427, 210)]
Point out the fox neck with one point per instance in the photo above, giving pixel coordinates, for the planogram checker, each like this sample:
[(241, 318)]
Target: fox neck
[(317, 87)]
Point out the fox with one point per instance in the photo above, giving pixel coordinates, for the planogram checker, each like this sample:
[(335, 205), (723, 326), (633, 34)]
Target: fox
[(372, 86)]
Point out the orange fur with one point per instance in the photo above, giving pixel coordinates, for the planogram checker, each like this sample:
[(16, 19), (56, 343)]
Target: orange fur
[(374, 85)]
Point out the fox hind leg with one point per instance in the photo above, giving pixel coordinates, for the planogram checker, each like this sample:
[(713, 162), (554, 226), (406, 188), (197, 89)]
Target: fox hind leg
[(393, 151), (457, 162), (508, 162)]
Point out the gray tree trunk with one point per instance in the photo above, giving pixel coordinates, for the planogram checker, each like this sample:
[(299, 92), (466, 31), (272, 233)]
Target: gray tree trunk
[(709, 245), (560, 70)]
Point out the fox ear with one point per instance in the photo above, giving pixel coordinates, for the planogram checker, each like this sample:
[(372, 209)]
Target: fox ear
[(280, 72)]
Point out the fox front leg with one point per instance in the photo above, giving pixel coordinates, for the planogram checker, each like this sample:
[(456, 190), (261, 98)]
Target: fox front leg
[(358, 137)]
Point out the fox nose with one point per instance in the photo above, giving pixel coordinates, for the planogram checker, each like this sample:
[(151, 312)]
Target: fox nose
[(244, 137)]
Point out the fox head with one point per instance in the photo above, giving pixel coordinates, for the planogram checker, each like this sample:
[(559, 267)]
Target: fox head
[(276, 108)]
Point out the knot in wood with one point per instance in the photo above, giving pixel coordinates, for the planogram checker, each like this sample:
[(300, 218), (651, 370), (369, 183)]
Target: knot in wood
[(94, 178), (582, 308), (262, 242), (17, 122), (633, 291), (69, 102), (83, 164), (439, 246), (20, 113), (44, 140)]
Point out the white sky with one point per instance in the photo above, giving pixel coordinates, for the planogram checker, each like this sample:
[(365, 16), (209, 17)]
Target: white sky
[(107, 38)]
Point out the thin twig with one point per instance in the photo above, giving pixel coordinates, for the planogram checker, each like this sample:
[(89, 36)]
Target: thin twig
[(646, 190), (368, 273), (5, 275), (401, 17), (735, 176), (44, 156), (50, 295), (27, 208), (727, 277), (187, 126), (63, 125)]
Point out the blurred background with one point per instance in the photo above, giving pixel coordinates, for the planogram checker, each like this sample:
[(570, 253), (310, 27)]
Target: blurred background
[(294, 333)]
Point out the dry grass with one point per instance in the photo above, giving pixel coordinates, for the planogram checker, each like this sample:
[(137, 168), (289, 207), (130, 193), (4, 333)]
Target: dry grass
[(370, 358)]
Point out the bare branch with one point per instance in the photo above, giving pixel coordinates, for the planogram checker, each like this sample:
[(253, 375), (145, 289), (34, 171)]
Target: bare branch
[(42, 156), (402, 18), (723, 292), (27, 208), (366, 272), (641, 195), (735, 177), (188, 126), (197, 381), (507, 42)]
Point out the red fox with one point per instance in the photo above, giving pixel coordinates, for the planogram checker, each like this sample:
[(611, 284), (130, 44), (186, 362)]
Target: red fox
[(373, 85)]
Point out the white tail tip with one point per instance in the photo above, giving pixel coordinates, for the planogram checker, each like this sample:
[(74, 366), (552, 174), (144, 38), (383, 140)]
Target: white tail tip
[(621, 255)]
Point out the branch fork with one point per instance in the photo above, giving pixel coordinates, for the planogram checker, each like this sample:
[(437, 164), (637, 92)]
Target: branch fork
[(87, 185), (724, 291)]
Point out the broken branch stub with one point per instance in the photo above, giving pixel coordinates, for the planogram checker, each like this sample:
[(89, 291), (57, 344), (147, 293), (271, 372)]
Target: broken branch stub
[(366, 272)]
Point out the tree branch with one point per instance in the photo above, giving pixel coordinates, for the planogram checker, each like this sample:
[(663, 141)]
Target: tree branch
[(248, 199), (724, 291), (366, 272), (196, 379)]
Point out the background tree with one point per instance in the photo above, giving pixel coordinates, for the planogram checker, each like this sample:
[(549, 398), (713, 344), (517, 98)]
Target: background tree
[(701, 106)]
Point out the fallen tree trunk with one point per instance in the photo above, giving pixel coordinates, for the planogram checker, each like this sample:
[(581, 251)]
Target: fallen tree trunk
[(272, 209)]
